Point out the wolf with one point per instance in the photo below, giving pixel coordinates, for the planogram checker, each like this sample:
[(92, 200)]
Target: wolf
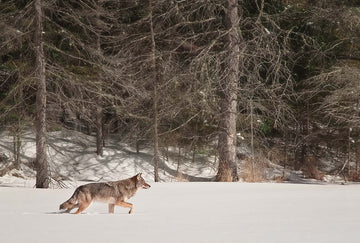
[(112, 192)]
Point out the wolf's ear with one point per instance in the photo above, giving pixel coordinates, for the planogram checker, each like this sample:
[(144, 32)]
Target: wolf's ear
[(139, 175)]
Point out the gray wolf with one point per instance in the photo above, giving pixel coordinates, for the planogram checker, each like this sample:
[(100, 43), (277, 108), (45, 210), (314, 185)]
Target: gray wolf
[(113, 193)]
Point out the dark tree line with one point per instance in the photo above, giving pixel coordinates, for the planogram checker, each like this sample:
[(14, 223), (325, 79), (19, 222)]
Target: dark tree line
[(282, 74)]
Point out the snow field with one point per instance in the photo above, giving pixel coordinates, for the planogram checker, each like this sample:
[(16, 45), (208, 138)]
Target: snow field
[(189, 212)]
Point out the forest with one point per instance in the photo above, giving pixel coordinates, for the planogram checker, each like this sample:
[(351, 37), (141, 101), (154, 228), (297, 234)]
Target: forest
[(279, 77)]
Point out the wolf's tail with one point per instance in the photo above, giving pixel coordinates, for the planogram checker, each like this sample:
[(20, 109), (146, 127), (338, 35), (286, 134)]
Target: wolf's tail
[(72, 200)]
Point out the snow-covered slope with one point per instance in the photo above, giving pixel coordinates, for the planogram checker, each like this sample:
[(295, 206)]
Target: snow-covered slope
[(189, 212), (72, 160)]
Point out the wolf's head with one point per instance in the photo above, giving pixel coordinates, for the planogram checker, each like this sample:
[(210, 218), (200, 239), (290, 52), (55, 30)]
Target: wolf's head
[(140, 182)]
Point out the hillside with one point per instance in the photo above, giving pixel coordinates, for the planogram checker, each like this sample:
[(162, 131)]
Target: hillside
[(73, 160)]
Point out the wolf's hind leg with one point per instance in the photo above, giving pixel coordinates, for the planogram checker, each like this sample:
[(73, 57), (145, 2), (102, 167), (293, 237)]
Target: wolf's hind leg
[(111, 208)]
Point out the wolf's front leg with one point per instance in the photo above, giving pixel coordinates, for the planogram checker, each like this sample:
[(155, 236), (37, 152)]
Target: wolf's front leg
[(82, 206), (126, 205)]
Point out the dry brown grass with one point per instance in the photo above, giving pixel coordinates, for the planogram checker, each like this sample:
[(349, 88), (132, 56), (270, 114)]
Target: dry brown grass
[(279, 179), (354, 176), (253, 170), (310, 168), (276, 155), (181, 177), (6, 168)]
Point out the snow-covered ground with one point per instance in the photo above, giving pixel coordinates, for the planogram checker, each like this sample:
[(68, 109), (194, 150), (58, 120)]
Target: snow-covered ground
[(189, 212), (169, 211)]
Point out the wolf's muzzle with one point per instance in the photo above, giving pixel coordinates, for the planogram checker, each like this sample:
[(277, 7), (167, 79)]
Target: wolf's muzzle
[(146, 186)]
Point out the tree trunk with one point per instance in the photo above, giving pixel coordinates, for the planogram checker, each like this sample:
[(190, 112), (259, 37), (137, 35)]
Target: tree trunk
[(17, 129), (99, 105), (227, 170), (179, 158), (156, 140), (357, 154), (252, 139), (17, 146), (155, 97), (99, 131), (42, 170), (348, 172), (137, 144)]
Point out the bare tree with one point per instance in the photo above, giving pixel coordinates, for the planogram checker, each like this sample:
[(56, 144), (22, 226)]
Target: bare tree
[(155, 76), (15, 77), (156, 49), (86, 78), (99, 109), (42, 170), (99, 130), (329, 81), (227, 170)]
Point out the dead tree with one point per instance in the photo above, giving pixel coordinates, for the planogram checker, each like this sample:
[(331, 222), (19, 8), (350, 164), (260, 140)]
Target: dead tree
[(227, 170), (155, 97), (42, 170)]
